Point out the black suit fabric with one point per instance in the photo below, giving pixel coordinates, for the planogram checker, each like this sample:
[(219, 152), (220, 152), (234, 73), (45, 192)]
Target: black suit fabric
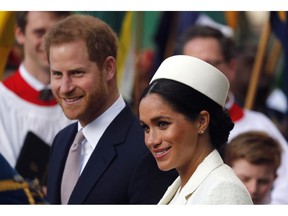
[(120, 170)]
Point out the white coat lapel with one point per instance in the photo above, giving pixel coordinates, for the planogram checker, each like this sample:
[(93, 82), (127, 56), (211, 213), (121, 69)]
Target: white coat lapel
[(202, 171), (171, 191), (210, 163)]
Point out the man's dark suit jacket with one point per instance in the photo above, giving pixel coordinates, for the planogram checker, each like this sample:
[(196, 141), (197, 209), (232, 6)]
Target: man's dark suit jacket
[(120, 170)]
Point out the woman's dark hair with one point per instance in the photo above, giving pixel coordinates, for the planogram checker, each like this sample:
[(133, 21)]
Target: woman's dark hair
[(190, 103)]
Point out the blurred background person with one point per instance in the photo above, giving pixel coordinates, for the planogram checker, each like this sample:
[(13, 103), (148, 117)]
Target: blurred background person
[(269, 98), (255, 157), (29, 115)]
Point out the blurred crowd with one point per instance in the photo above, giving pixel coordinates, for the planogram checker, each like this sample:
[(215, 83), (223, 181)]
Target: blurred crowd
[(174, 33)]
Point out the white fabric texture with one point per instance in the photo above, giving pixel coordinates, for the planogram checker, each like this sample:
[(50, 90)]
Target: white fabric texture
[(18, 116), (213, 182)]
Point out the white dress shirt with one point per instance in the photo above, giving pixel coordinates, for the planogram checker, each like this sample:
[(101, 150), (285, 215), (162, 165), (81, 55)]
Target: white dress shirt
[(94, 130)]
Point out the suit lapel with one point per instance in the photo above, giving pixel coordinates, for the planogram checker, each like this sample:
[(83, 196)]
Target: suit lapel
[(57, 165), (97, 164), (102, 156)]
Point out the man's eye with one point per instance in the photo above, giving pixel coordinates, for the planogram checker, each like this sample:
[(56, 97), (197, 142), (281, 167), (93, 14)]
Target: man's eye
[(244, 179), (264, 181), (78, 73), (56, 74), (39, 33)]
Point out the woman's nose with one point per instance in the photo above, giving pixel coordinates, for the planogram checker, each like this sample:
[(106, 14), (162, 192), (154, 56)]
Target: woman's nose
[(152, 139)]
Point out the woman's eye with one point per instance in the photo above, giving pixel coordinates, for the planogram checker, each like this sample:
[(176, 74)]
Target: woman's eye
[(163, 124), (145, 127)]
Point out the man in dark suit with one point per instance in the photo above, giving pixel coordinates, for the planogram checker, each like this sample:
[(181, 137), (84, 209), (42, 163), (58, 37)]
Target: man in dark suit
[(115, 165)]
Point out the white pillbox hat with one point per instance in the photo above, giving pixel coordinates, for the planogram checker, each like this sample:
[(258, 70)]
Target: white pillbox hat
[(197, 74)]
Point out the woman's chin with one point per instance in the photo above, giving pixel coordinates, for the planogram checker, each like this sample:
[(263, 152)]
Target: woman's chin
[(164, 167)]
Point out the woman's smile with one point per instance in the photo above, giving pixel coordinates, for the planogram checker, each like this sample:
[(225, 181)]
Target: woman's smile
[(161, 153)]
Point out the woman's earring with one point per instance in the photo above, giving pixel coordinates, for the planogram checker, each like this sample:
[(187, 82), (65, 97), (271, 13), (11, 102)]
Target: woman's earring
[(201, 132)]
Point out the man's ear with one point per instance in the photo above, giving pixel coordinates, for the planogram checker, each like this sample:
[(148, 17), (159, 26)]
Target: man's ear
[(109, 68), (19, 35)]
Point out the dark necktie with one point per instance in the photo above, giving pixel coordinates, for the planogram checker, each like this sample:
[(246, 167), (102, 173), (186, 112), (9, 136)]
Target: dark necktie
[(72, 168), (46, 94)]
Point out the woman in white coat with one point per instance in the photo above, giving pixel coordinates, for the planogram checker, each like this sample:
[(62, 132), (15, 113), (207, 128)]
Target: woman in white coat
[(185, 126)]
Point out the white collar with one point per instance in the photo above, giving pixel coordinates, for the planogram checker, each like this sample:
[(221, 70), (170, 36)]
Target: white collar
[(31, 80), (95, 129)]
